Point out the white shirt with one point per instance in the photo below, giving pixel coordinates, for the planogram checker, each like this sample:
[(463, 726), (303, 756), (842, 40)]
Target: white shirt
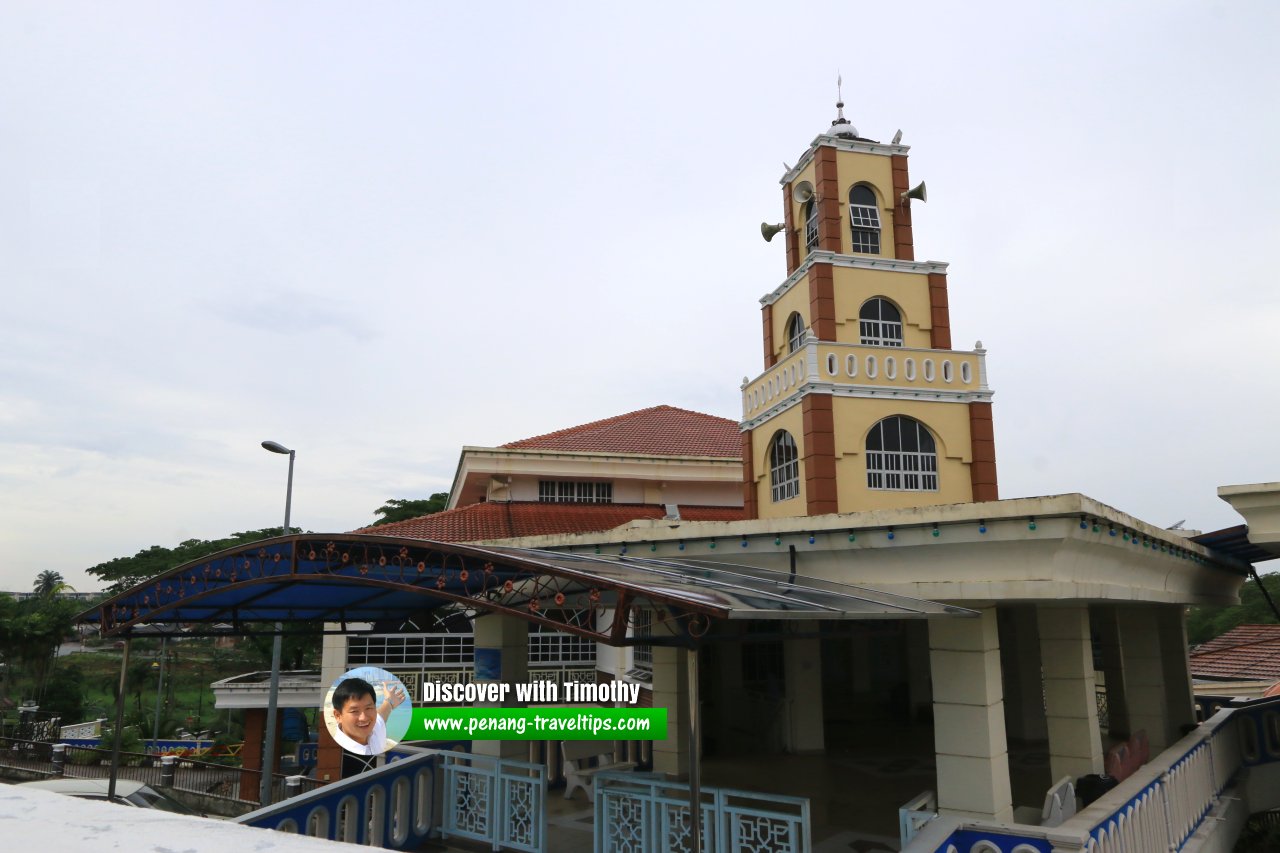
[(377, 739)]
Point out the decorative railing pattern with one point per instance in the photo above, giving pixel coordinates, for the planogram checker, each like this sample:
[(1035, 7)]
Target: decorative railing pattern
[(497, 801), (390, 807), (868, 370), (642, 812), (1160, 807)]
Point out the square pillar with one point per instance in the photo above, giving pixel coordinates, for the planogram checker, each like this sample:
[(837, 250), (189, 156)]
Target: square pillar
[(1171, 621), (1071, 706), (968, 717), (919, 686), (671, 691), (501, 655), (1020, 661), (1144, 690), (802, 659), (1106, 627)]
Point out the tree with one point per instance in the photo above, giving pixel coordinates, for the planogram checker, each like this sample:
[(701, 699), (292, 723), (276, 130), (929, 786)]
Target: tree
[(398, 509), (125, 572), (49, 583), (1205, 623)]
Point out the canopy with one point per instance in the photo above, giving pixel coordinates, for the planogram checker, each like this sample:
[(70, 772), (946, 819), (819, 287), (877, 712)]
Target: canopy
[(353, 578)]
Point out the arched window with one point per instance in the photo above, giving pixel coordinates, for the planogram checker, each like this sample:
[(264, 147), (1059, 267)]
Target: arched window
[(864, 218), (795, 332), (880, 323), (784, 467), (901, 455), (810, 225)]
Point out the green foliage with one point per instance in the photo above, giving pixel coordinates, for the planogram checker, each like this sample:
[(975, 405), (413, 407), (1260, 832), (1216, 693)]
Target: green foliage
[(296, 651), (130, 740), (1205, 623), (398, 509), (49, 583), (125, 572), (64, 695), (30, 632)]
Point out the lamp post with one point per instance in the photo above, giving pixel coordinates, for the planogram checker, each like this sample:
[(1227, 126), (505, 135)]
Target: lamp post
[(273, 691), (155, 726)]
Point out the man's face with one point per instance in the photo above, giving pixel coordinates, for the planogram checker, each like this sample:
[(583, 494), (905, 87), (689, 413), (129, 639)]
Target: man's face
[(356, 718)]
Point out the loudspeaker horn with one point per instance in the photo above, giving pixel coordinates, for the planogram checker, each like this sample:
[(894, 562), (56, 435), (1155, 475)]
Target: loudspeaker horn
[(802, 192), (768, 231), (918, 192)]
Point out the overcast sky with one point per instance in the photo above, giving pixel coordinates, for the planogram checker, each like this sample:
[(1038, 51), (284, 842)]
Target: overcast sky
[(376, 232)]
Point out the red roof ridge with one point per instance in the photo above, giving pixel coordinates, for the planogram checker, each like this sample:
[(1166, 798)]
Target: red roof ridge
[(663, 429), (515, 519)]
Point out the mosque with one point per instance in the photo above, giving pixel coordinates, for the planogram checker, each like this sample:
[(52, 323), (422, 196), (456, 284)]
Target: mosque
[(828, 595)]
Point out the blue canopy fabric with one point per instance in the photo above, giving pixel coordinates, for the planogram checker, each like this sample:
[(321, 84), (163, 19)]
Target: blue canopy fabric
[(360, 578)]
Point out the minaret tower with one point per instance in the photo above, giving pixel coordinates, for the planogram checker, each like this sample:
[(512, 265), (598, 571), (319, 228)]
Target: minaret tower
[(863, 404)]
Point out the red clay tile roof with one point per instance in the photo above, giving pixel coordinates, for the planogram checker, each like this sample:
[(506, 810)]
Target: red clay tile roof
[(1246, 651), (501, 520), (663, 430)]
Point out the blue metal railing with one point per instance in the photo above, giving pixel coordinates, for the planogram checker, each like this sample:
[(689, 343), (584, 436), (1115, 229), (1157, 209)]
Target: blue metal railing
[(497, 801), (392, 807), (1160, 807), (645, 811)]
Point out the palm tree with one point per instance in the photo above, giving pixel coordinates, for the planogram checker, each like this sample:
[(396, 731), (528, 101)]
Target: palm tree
[(49, 583)]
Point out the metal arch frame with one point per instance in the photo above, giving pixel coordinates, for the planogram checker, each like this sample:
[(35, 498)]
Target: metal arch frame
[(435, 571)]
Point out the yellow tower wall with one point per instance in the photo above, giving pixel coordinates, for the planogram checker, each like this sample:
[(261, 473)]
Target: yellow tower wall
[(949, 424), (795, 299), (854, 167), (792, 420), (909, 291), (876, 171)]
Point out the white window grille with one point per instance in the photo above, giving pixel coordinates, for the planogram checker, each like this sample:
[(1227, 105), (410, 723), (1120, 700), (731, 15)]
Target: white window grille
[(879, 323), (642, 655), (810, 225), (567, 491), (901, 456), (417, 649), (784, 467), (864, 220), (795, 332)]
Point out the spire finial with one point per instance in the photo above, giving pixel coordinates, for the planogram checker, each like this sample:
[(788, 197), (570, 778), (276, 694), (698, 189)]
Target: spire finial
[(841, 125)]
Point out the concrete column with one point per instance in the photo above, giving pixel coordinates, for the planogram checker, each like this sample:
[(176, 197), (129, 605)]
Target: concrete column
[(968, 717), (502, 655), (671, 691), (1020, 661), (802, 659), (1171, 619), (1145, 694), (919, 686), (1071, 709), (1107, 627)]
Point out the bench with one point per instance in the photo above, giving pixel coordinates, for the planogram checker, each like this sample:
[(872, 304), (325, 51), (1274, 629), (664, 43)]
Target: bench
[(1059, 804), (583, 759)]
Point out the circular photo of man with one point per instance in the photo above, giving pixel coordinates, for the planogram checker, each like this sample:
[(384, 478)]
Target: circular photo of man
[(367, 711)]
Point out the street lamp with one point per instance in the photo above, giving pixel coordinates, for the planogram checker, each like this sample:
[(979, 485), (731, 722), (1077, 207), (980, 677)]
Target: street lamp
[(273, 692)]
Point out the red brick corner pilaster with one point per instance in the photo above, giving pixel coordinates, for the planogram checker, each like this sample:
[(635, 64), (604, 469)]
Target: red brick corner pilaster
[(750, 501), (822, 302), (766, 315), (793, 236), (819, 455), (903, 242), (940, 311), (982, 471), (827, 187)]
